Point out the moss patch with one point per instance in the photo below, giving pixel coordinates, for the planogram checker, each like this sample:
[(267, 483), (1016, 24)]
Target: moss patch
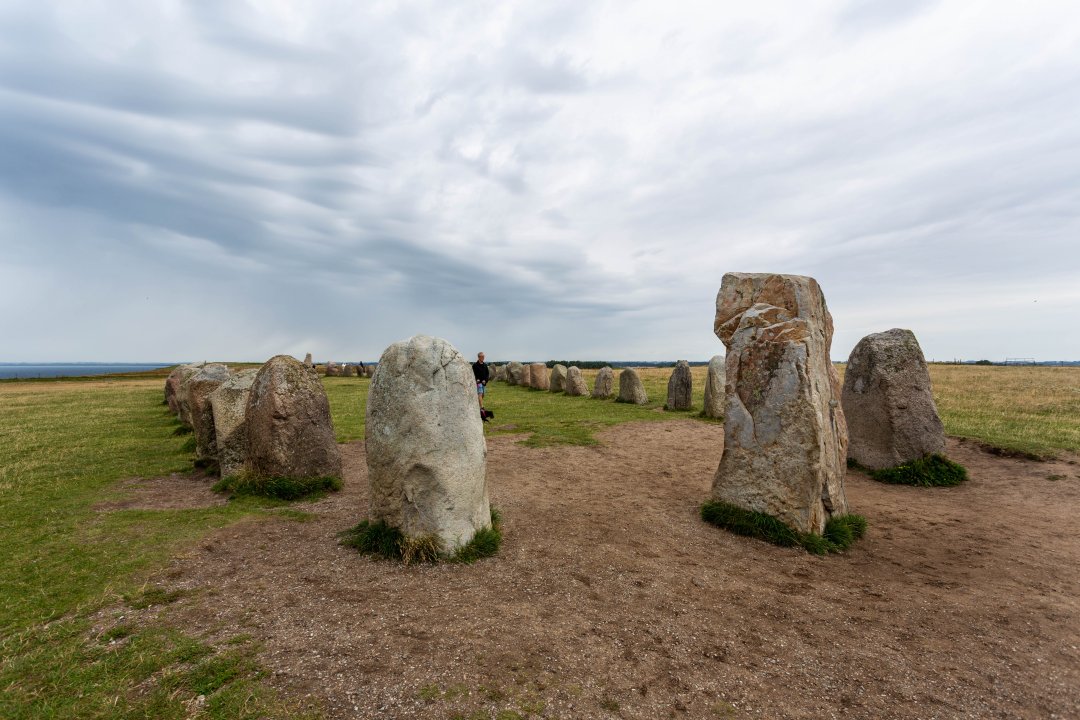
[(382, 540), (841, 531), (930, 471)]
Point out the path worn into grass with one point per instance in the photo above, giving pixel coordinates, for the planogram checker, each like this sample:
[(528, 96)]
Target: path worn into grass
[(610, 598)]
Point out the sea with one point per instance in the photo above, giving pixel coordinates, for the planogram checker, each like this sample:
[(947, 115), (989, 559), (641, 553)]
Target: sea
[(49, 370)]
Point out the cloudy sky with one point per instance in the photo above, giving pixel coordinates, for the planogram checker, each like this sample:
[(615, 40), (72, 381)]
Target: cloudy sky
[(232, 180)]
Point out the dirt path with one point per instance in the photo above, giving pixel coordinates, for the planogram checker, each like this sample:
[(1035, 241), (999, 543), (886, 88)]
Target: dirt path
[(610, 598)]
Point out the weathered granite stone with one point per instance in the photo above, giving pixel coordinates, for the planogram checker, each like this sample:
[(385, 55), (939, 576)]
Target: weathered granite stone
[(630, 388), (369, 370), (575, 382), (426, 454), (228, 403), (196, 392), (538, 376), (785, 438), (714, 388), (526, 375), (890, 410), (307, 360), (332, 369), (500, 373), (604, 387), (557, 379), (680, 387), (515, 372), (290, 432), (174, 382)]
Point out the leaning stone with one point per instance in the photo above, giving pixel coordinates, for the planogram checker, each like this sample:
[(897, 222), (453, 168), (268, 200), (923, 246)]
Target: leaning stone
[(557, 379), (197, 393), (785, 438), (714, 388), (229, 406), (539, 376), (680, 387), (630, 388), (575, 383), (604, 387), (891, 415), (515, 372), (290, 432), (426, 454), (175, 381)]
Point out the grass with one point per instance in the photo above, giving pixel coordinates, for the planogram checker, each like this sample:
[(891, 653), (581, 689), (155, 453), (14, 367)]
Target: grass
[(840, 533), (383, 541), (279, 488), (930, 471)]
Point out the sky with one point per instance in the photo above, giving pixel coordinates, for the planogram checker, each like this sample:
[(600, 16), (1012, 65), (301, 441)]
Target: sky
[(538, 180)]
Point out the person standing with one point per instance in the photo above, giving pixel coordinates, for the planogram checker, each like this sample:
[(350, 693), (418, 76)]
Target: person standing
[(480, 370)]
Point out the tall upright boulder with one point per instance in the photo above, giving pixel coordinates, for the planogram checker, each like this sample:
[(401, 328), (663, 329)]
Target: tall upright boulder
[(680, 387), (604, 386), (785, 438), (307, 360), (526, 375), (426, 454), (891, 415), (575, 382), (630, 388), (515, 372), (290, 432), (196, 394), (332, 369), (538, 376), (369, 370), (557, 379), (228, 403), (174, 382), (714, 388)]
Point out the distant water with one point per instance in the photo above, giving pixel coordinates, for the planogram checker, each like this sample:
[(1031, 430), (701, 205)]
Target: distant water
[(47, 370)]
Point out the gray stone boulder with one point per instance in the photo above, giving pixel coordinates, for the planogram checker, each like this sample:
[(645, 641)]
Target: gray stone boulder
[(630, 388), (890, 410), (196, 392), (369, 370), (538, 376), (557, 379), (228, 403), (307, 360), (515, 372), (332, 369), (290, 432), (174, 382), (604, 387), (500, 373), (575, 382), (426, 454), (785, 438), (714, 388), (680, 387), (526, 375)]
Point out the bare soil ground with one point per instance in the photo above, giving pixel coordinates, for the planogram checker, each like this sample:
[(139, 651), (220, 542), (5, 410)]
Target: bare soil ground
[(172, 492), (611, 598)]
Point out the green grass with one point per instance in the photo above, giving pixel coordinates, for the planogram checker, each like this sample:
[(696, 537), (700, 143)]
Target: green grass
[(930, 471), (279, 488), (840, 531), (389, 543)]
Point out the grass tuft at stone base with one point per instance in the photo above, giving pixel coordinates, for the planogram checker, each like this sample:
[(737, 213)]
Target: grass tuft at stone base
[(281, 488), (382, 540), (841, 531), (930, 471)]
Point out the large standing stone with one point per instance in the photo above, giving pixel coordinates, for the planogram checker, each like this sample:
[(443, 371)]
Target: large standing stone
[(680, 387), (515, 371), (526, 375), (890, 410), (575, 382), (307, 360), (369, 370), (174, 382), (332, 369), (785, 438), (604, 387), (290, 433), (538, 376), (229, 406), (426, 454), (714, 388), (557, 379), (630, 388), (197, 391), (500, 373)]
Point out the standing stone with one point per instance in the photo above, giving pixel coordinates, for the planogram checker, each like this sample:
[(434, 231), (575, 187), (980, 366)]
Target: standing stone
[(369, 370), (714, 388), (229, 407), (332, 369), (526, 375), (500, 373), (604, 387), (290, 433), (307, 360), (515, 371), (575, 382), (890, 410), (557, 379), (785, 438), (630, 388), (538, 376), (680, 387), (426, 454), (175, 380), (197, 391)]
